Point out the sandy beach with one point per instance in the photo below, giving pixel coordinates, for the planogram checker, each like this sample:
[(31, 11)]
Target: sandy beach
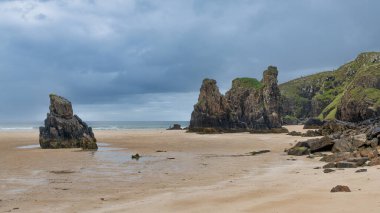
[(178, 172)]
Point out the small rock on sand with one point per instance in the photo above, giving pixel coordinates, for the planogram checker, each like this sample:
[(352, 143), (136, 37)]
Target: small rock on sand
[(361, 170), (328, 170), (340, 188)]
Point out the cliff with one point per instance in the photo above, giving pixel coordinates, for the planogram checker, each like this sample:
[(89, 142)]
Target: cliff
[(249, 105), (350, 93)]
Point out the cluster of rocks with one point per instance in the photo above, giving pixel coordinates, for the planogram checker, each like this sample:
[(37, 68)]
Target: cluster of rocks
[(352, 144), (254, 106), (175, 127), (63, 129), (308, 133)]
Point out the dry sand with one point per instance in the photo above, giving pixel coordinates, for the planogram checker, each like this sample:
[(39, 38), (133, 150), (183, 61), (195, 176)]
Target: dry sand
[(209, 173)]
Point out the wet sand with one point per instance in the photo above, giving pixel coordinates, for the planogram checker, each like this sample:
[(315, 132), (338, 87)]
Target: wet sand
[(191, 173)]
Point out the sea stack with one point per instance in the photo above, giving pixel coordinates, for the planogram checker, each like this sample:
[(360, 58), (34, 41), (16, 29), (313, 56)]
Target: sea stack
[(63, 129), (212, 109), (249, 105)]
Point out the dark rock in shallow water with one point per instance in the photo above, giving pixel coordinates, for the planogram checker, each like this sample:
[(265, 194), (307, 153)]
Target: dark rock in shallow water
[(175, 127), (340, 188), (313, 123), (63, 129), (136, 156)]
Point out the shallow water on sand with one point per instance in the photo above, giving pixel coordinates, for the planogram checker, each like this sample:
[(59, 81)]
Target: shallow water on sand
[(33, 146), (118, 155)]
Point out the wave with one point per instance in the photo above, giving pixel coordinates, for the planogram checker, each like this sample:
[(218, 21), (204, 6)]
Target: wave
[(100, 125), (17, 128)]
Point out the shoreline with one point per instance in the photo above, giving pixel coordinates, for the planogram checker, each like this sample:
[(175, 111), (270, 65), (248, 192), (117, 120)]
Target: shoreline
[(191, 173)]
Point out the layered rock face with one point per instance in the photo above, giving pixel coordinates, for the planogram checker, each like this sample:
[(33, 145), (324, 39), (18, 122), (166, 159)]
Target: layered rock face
[(350, 93), (63, 129), (361, 100), (212, 109), (249, 104), (271, 98)]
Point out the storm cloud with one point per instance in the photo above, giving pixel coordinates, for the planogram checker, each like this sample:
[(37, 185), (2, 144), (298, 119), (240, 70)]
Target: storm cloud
[(145, 59)]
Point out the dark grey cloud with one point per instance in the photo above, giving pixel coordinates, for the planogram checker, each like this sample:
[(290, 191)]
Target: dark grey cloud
[(127, 59)]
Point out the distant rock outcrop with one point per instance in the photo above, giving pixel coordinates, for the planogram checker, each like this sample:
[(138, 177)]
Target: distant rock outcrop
[(248, 105), (175, 127), (63, 129)]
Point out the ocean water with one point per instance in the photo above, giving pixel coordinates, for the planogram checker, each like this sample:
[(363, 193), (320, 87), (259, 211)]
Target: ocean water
[(98, 125)]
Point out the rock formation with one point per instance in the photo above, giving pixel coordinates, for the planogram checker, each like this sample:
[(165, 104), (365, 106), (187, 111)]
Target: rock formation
[(340, 188), (212, 109), (248, 105), (63, 129)]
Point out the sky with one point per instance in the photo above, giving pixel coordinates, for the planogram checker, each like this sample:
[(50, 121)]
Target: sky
[(145, 59)]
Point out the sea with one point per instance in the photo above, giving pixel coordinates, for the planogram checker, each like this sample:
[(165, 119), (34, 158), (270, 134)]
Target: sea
[(99, 125)]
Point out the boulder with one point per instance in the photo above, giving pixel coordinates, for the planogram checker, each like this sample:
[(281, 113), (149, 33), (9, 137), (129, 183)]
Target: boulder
[(342, 145), (298, 151), (350, 144), (339, 156), (374, 133), (358, 161), (368, 152), (313, 123), (63, 129), (359, 140), (312, 133), (317, 144), (328, 170), (336, 127), (294, 133), (346, 164), (374, 142), (340, 188), (374, 162), (329, 165)]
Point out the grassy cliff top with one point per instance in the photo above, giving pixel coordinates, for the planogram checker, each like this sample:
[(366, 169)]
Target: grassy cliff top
[(246, 83), (326, 88)]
